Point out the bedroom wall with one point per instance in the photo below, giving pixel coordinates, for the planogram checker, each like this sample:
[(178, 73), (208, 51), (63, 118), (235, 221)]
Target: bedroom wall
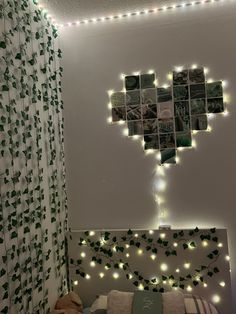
[(111, 182), (32, 176)]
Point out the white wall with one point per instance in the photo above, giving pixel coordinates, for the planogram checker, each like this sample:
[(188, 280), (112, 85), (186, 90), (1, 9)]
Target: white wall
[(109, 179)]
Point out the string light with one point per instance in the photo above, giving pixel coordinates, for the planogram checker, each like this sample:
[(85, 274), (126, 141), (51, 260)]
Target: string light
[(216, 298), (140, 252), (164, 267), (87, 276), (141, 287), (222, 284), (220, 244), (177, 270), (76, 283), (101, 275), (92, 264), (162, 235), (153, 257), (187, 265), (205, 285), (91, 233), (189, 288), (120, 16), (83, 254), (115, 275), (204, 243)]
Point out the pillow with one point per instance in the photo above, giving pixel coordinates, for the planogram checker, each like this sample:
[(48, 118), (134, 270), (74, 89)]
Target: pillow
[(99, 304), (70, 301), (119, 302), (197, 305)]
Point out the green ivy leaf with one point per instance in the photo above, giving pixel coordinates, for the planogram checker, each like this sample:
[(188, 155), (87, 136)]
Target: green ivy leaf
[(3, 45)]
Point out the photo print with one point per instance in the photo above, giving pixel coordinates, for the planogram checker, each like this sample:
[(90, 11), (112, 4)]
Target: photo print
[(150, 126), (132, 82), (118, 114), (151, 142), (135, 127), (164, 94), (166, 126), (197, 91), (181, 108), (165, 117), (197, 75), (183, 139), (180, 92), (214, 89), (180, 77), (199, 122), (148, 81), (168, 156), (149, 96), (165, 110), (182, 123), (118, 99), (133, 112), (167, 140), (198, 106), (133, 98), (215, 105), (149, 112)]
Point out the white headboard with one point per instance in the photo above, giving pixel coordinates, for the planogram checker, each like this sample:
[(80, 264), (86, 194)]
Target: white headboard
[(194, 261)]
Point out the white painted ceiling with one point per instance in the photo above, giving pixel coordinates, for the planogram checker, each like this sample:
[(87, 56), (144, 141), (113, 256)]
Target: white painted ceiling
[(65, 11)]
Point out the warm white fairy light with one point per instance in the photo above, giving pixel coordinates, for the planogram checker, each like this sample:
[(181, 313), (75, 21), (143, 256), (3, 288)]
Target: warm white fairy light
[(82, 254), (110, 92), (121, 122), (101, 275), (220, 244), (127, 246), (204, 243), (175, 244), (177, 270), (125, 131), (87, 276), (189, 288), (121, 265), (216, 298), (75, 283), (151, 231), (130, 276), (153, 257), (92, 233), (164, 267), (227, 258), (136, 235), (162, 235), (127, 255), (116, 275), (187, 265), (222, 284), (141, 287), (92, 264), (205, 285), (140, 252)]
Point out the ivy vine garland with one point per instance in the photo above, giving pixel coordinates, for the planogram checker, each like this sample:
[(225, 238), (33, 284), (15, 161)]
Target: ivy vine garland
[(104, 253)]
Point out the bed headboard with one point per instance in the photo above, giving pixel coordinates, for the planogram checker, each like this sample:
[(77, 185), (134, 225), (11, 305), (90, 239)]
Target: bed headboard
[(194, 261)]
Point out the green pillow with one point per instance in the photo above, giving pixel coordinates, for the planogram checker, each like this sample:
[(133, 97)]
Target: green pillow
[(147, 302)]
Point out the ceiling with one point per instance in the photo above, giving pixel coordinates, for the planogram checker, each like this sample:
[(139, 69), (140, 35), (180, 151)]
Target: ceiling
[(65, 11)]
